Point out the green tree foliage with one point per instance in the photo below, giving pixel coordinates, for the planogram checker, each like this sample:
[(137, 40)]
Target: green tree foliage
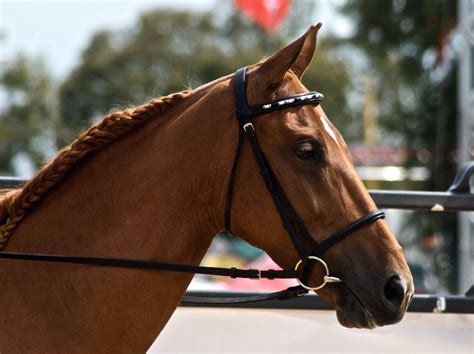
[(26, 113), (168, 51), (404, 42)]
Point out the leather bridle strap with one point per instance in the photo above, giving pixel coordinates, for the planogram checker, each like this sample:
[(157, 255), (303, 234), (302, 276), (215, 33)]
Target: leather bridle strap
[(291, 222), (291, 292), (140, 264), (289, 217), (323, 246), (294, 291)]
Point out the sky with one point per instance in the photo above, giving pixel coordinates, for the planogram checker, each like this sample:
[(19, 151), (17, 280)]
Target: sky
[(58, 31)]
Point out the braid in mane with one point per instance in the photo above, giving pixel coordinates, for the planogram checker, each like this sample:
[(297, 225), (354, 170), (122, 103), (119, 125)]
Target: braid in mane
[(15, 205)]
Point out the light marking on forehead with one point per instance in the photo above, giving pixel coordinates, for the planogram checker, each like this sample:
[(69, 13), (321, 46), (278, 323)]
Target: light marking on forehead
[(328, 129)]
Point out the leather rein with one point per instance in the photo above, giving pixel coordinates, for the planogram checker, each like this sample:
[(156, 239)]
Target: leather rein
[(291, 221)]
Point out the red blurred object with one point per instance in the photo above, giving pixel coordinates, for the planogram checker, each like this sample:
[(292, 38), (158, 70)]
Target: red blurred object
[(430, 242), (268, 14), (264, 262)]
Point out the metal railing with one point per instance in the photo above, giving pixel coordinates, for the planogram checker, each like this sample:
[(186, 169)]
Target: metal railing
[(457, 198), (420, 303)]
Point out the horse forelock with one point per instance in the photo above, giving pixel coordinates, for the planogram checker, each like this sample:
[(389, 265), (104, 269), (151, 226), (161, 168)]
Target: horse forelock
[(14, 204)]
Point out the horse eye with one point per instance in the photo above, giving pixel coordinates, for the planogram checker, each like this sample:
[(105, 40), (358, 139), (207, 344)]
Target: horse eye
[(305, 151)]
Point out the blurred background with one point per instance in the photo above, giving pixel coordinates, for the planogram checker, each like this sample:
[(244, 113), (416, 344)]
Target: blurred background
[(397, 76)]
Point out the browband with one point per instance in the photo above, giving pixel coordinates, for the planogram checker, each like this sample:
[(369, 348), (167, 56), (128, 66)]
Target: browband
[(243, 110)]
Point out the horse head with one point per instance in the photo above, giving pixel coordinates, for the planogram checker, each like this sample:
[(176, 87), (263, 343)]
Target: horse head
[(309, 159)]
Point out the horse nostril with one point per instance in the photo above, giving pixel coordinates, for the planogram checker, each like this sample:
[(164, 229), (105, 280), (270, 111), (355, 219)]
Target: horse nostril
[(394, 291)]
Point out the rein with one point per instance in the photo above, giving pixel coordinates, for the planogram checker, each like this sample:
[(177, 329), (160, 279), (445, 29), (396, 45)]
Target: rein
[(291, 221)]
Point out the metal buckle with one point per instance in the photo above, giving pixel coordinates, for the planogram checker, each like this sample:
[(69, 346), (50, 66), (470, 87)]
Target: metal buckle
[(326, 279), (248, 125), (258, 277)]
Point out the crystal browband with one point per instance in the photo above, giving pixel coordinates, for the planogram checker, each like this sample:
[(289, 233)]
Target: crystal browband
[(312, 97)]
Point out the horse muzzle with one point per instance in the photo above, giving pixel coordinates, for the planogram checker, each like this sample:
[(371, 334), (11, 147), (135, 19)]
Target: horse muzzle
[(359, 307)]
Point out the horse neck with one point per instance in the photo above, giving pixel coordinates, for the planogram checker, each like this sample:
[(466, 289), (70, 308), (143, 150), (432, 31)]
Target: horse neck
[(137, 193), (155, 194)]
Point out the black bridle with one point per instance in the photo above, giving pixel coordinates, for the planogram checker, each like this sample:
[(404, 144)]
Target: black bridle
[(291, 221)]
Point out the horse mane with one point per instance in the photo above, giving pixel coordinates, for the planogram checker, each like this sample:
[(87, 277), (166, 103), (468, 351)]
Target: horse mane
[(15, 203)]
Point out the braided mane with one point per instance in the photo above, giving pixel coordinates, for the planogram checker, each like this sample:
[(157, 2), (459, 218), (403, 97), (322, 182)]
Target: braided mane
[(14, 204)]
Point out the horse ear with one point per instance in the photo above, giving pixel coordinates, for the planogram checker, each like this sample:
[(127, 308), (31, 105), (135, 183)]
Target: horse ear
[(307, 52), (295, 56)]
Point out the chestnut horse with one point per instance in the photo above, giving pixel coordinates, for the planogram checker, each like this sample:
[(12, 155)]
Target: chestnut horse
[(150, 183)]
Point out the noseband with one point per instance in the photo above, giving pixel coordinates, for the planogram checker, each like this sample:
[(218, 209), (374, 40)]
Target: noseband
[(294, 225), (291, 221)]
